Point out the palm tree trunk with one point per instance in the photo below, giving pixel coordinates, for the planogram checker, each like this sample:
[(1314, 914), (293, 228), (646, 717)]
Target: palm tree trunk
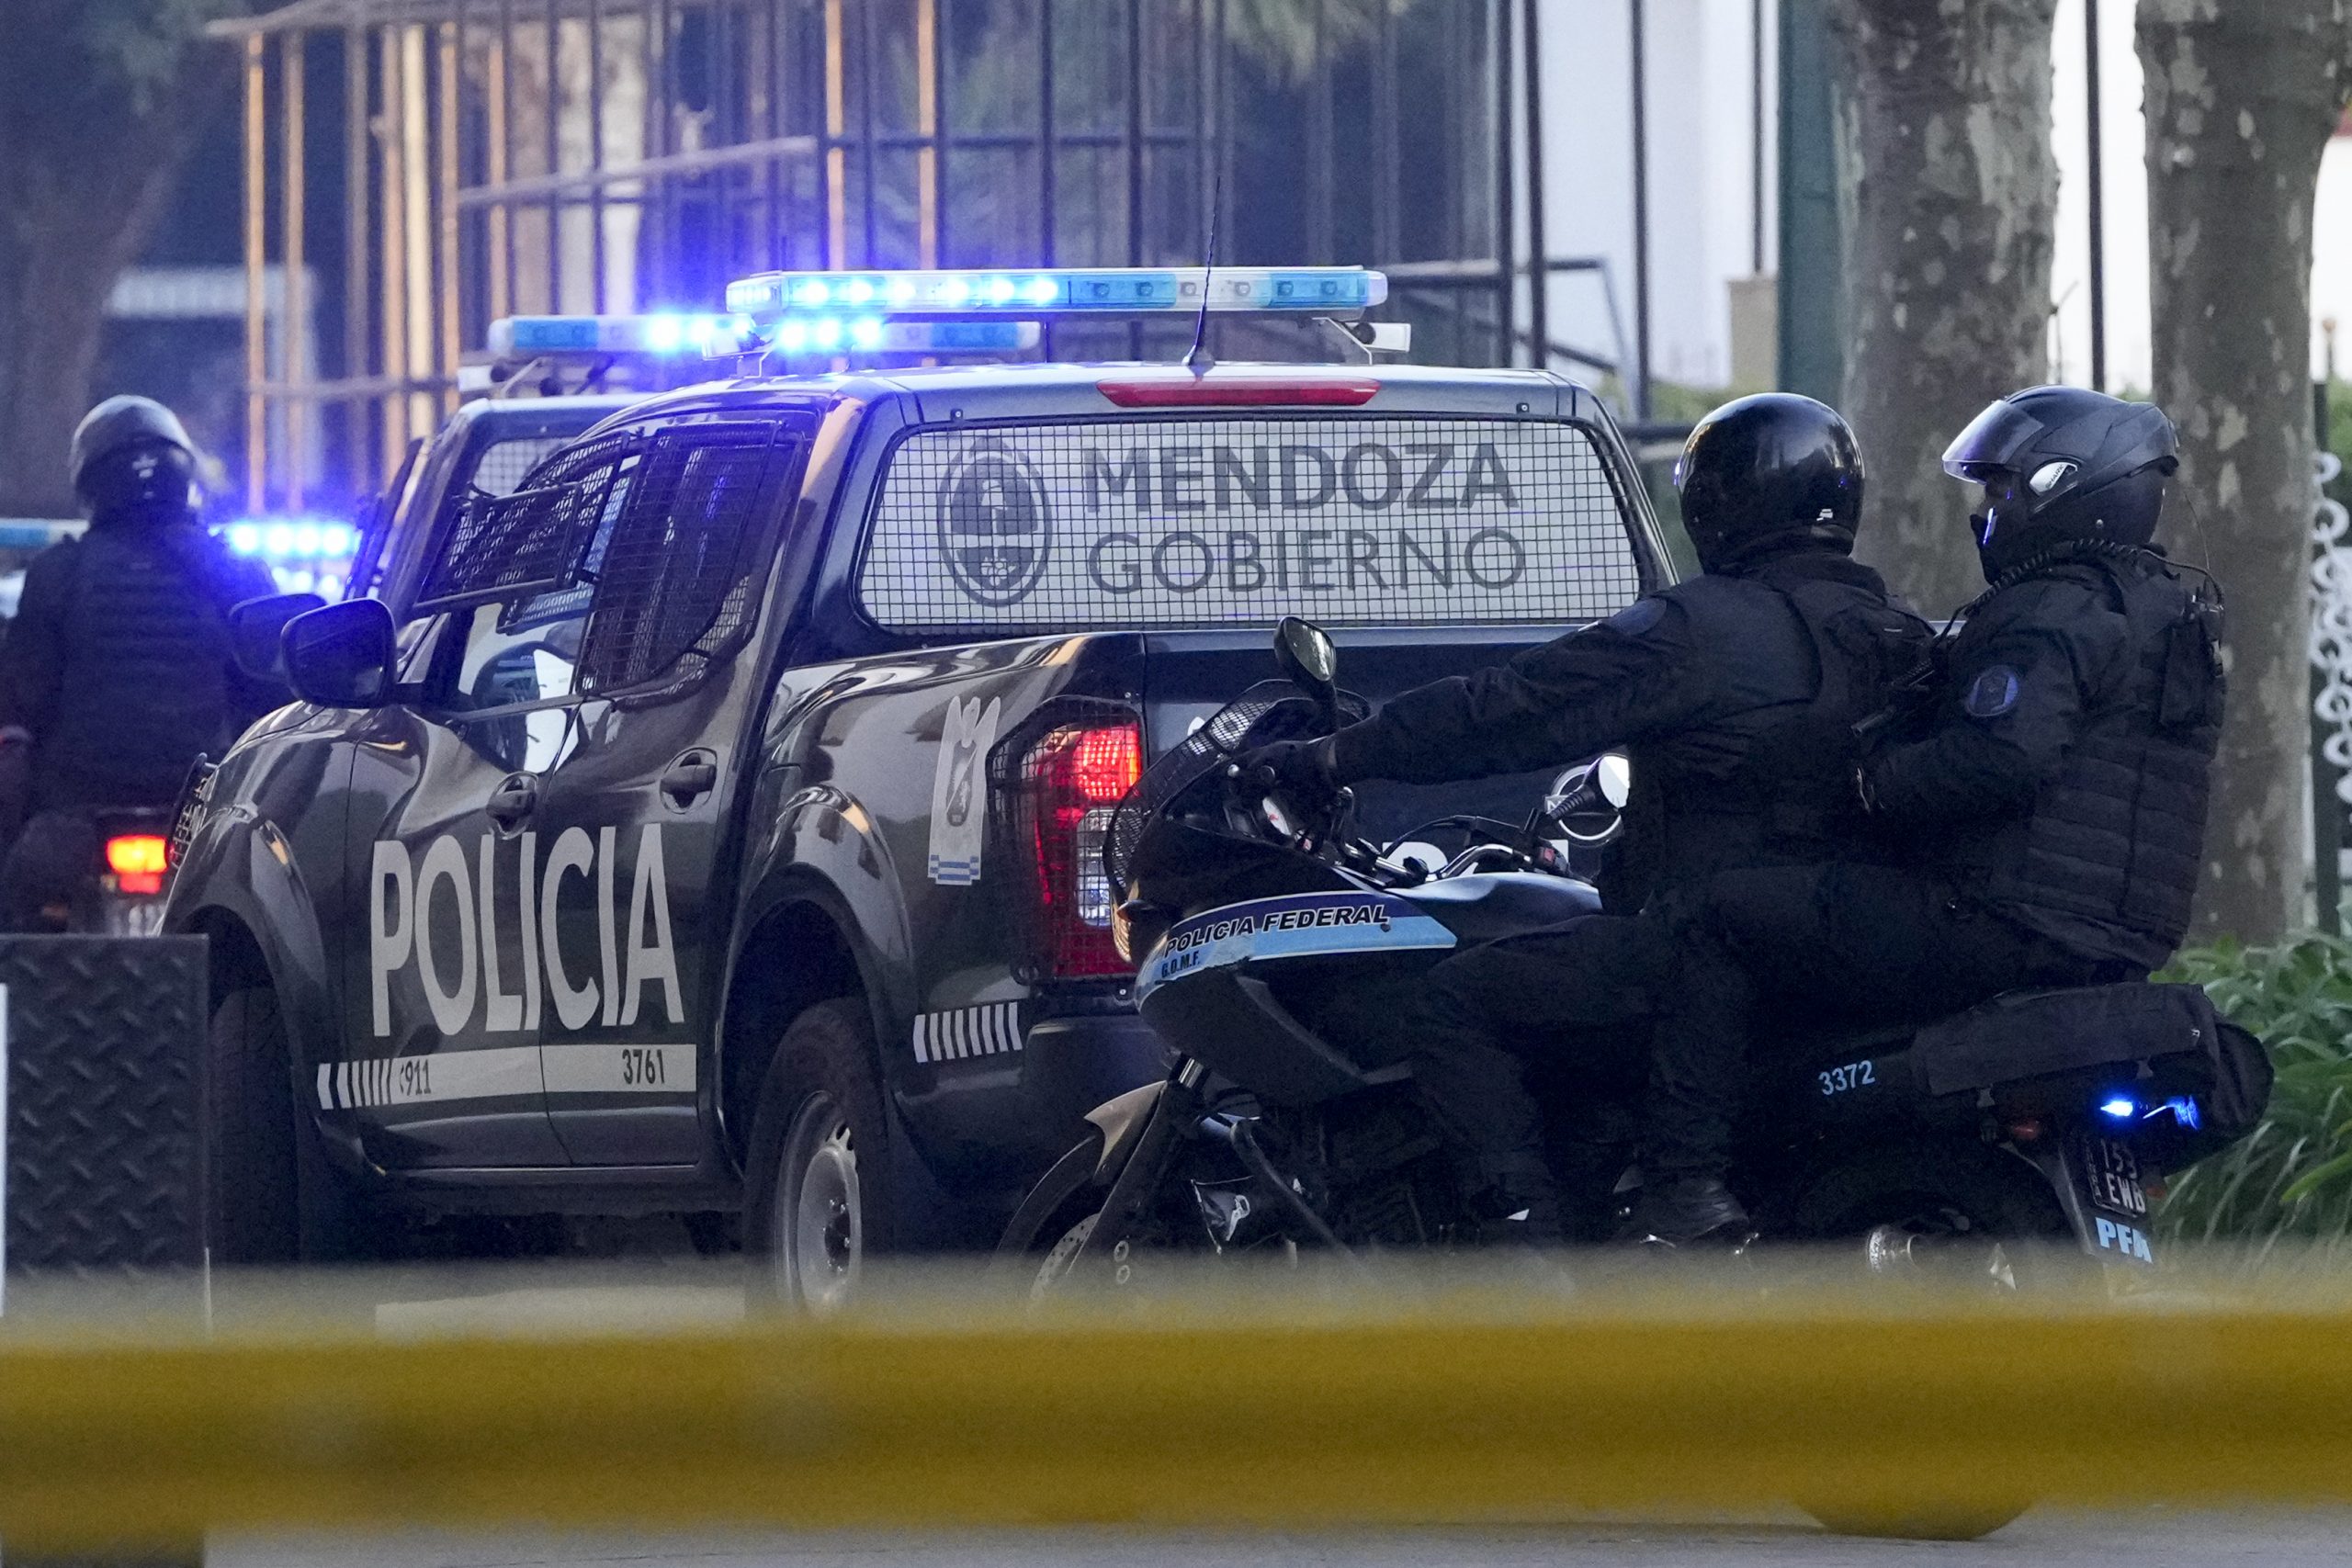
[(1947, 189), (2242, 98)]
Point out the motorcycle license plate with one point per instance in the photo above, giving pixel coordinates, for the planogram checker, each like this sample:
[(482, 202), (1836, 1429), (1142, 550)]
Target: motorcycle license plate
[(2110, 1182)]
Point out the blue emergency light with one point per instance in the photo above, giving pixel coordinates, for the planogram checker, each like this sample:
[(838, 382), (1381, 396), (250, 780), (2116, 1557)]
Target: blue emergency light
[(292, 539), (660, 334), (1107, 290)]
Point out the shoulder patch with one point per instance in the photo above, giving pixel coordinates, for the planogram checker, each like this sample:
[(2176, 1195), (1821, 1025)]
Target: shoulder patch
[(1992, 693), (1638, 616)]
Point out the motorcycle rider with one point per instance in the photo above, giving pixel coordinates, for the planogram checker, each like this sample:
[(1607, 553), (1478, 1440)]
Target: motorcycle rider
[(1706, 684), (117, 671), (2050, 801)]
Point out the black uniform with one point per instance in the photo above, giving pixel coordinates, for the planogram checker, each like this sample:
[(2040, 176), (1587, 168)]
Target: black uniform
[(1705, 685), (117, 674), (2052, 813)]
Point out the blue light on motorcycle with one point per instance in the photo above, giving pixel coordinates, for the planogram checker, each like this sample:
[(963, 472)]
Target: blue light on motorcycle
[(2118, 1108), (2184, 1112)]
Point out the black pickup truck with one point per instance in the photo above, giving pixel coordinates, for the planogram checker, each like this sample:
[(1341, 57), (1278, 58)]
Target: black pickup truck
[(710, 825)]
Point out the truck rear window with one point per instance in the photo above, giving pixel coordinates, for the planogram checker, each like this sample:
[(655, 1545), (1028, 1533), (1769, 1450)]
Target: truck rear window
[(1157, 521)]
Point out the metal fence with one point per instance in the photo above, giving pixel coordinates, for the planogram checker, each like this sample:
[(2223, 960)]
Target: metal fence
[(438, 163)]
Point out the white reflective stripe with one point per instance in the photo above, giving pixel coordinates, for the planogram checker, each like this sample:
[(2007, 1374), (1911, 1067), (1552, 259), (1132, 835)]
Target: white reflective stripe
[(991, 1029), (599, 1068), (326, 1078), (505, 1072)]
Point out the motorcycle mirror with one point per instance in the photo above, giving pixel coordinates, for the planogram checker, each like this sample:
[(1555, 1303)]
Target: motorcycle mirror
[(1585, 802), (255, 630), (1306, 655)]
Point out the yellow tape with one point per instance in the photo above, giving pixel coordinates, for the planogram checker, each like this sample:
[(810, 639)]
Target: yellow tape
[(1177, 1420)]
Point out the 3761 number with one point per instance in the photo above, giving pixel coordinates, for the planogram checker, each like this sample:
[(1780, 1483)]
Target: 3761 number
[(642, 1066), (1854, 1075)]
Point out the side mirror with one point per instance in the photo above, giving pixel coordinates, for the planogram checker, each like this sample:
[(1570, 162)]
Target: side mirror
[(257, 628), (1586, 804), (1305, 652), (341, 656)]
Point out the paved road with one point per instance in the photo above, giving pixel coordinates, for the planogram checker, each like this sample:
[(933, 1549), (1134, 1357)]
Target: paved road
[(2155, 1538)]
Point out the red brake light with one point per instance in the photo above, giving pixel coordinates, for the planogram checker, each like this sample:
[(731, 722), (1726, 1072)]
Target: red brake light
[(1239, 391), (1106, 763), (136, 854), (138, 862), (1077, 774)]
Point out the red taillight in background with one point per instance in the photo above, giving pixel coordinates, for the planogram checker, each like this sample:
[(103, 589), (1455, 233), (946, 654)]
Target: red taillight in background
[(1078, 773), (138, 862)]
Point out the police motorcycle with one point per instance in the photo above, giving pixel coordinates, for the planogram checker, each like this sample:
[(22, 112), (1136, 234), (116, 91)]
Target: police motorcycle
[(2022, 1138)]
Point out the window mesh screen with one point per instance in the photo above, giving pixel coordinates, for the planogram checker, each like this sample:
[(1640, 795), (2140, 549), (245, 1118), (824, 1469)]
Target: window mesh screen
[(501, 545), (674, 577), (504, 464), (1387, 521)]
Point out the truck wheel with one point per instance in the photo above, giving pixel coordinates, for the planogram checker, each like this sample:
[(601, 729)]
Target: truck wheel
[(255, 1199), (820, 1201)]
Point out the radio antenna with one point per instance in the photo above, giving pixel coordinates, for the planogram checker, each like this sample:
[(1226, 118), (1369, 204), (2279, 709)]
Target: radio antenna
[(1198, 361)]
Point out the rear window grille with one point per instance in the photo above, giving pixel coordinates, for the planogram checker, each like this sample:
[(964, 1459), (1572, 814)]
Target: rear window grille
[(674, 578), (504, 464), (1347, 519), (527, 541)]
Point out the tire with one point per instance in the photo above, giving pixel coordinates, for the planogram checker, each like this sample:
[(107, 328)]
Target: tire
[(253, 1199), (1940, 1193), (1947, 1192), (1927, 1523), (820, 1201)]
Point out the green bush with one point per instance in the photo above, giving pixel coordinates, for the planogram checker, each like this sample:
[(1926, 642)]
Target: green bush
[(2290, 1179)]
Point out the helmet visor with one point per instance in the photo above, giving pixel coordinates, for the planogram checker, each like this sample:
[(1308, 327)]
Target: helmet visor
[(1992, 441)]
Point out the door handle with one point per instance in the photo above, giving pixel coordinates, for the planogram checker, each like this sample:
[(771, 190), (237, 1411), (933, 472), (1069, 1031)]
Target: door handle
[(689, 778), (516, 796)]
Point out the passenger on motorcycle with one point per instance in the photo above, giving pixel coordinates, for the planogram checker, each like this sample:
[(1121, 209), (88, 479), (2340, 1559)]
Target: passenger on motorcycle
[(117, 671), (1716, 688), (2048, 801)]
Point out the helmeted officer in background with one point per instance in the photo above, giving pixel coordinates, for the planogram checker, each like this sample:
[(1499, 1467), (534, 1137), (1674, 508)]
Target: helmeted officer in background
[(2049, 803), (1713, 687), (117, 671)]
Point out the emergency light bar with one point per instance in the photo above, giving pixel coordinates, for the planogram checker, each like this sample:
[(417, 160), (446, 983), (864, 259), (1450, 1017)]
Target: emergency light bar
[(1110, 290), (662, 332), (291, 538)]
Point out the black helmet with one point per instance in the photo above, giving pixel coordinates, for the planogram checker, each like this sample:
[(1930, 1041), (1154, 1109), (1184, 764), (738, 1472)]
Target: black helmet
[(2064, 466), (1766, 472), (131, 457)]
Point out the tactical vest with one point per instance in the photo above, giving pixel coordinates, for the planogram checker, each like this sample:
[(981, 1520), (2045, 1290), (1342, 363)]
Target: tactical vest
[(1726, 796), (2106, 859), (144, 671)]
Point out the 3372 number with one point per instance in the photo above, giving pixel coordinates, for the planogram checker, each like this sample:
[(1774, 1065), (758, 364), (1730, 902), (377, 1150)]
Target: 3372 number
[(1854, 1075)]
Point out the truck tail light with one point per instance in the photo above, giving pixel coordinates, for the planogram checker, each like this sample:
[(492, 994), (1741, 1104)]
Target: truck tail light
[(138, 862), (1070, 777)]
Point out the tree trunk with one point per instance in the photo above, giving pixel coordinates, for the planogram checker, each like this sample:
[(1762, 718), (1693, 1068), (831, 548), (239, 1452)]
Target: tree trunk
[(2242, 98), (88, 158), (1948, 190)]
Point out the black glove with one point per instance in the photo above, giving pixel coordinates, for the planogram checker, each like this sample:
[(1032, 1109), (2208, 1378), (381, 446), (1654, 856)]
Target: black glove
[(1300, 769)]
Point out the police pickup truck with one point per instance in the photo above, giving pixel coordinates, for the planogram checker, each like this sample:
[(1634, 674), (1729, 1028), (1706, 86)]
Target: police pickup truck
[(711, 825)]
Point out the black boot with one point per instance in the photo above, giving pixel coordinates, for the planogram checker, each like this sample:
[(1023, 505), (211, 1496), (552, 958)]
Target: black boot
[(1688, 1212), (1521, 1201)]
